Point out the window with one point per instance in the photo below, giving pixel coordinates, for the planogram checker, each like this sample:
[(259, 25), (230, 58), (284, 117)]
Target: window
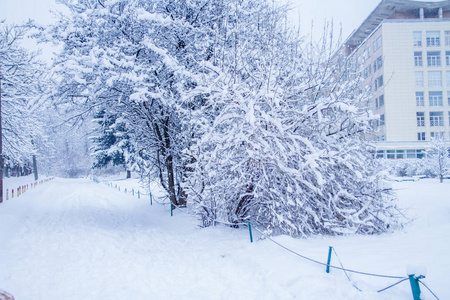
[(382, 121), (381, 101), (420, 119), (377, 64), (366, 53), (417, 36), (437, 135), (436, 118), (435, 98), (447, 58), (377, 44), (378, 82), (419, 78), (447, 38), (380, 154), (421, 136), (390, 154), (433, 38), (418, 59), (420, 99), (434, 59), (414, 153), (367, 71), (434, 78)]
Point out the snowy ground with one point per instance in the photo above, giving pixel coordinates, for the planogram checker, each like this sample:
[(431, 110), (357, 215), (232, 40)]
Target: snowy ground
[(76, 239)]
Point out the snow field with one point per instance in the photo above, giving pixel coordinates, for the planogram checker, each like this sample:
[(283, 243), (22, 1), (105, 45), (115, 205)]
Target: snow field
[(72, 239)]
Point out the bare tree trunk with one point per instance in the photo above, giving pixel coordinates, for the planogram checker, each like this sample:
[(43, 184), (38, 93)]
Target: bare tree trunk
[(1, 142), (35, 169), (128, 174)]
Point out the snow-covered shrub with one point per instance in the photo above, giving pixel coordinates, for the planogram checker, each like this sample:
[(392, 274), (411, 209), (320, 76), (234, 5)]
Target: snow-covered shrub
[(285, 146), (409, 167)]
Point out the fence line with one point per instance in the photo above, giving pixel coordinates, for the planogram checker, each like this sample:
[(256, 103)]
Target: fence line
[(324, 264), (345, 270), (25, 187)]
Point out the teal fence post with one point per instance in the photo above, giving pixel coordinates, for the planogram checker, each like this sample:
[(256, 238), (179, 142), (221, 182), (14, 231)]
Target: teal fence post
[(139, 195), (329, 259), (151, 201), (119, 188), (125, 190), (415, 288), (250, 232), (171, 209), (132, 191)]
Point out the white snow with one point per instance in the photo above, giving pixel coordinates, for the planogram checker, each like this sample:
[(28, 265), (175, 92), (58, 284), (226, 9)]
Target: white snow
[(76, 239)]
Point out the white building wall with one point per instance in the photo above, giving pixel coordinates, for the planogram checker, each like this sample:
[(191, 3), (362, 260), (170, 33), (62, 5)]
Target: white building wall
[(400, 85), (400, 131)]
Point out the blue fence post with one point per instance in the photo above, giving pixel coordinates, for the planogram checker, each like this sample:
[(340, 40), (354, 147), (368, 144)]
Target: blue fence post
[(151, 201), (329, 258), (250, 232), (171, 209), (415, 288), (132, 191), (139, 195)]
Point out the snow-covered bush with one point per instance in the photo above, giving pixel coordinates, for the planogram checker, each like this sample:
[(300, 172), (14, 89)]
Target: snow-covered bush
[(286, 147)]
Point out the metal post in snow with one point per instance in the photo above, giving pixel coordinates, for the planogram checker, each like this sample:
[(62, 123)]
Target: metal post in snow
[(250, 232), (415, 288), (329, 259), (171, 209)]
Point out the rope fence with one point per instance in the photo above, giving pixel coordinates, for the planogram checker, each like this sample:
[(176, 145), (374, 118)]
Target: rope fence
[(414, 280), (21, 189)]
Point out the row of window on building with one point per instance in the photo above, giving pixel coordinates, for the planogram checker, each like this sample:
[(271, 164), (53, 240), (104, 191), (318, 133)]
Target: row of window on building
[(436, 118), (400, 154), (433, 38), (368, 51), (433, 58), (434, 78), (377, 64), (421, 136), (435, 98)]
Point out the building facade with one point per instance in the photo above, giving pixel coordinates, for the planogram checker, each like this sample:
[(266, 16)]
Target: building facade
[(403, 48)]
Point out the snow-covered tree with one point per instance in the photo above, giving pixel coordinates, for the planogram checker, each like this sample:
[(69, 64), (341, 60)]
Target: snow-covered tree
[(134, 58), (22, 81), (438, 154), (286, 148), (111, 145)]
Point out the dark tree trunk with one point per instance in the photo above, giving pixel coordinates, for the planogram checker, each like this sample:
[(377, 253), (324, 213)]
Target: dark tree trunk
[(128, 174), (35, 169)]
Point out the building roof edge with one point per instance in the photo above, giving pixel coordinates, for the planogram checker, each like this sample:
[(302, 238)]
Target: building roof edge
[(383, 11)]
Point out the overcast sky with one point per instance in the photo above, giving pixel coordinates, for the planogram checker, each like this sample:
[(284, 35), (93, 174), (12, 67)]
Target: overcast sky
[(346, 13)]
